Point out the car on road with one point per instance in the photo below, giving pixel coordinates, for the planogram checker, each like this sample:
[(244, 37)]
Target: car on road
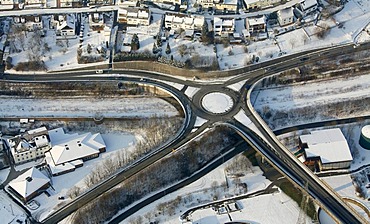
[(99, 71)]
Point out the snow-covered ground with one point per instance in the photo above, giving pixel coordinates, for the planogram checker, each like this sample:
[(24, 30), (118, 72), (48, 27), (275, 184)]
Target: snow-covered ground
[(270, 208), (85, 107), (9, 211), (217, 102), (288, 97)]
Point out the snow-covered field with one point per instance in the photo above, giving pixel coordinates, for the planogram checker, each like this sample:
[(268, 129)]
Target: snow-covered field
[(85, 107), (271, 208), (285, 98), (10, 212)]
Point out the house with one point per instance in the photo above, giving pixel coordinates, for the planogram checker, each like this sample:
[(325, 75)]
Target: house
[(96, 21), (259, 4), (226, 5), (68, 148), (29, 185), (6, 4), (28, 4), (65, 25), (308, 6), (171, 2), (126, 4), (326, 148), (134, 16), (182, 21), (31, 23), (256, 28), (206, 4), (68, 3), (223, 27), (285, 16), (29, 146)]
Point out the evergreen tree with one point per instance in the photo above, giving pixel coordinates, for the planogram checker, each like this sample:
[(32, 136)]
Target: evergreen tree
[(135, 43), (168, 49)]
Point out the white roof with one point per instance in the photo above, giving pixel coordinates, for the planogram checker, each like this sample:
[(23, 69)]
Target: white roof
[(169, 18), (37, 130), (230, 2), (228, 22), (76, 147), (58, 134), (41, 140), (189, 20), (366, 131), (256, 21), (55, 169), (132, 14), (308, 4), (177, 19), (330, 145), (286, 13), (217, 21), (198, 21), (248, 2), (142, 14), (29, 182)]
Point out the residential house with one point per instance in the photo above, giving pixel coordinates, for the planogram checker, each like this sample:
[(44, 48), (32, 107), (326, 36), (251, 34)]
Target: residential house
[(65, 25), (171, 2), (96, 21), (326, 148), (68, 3), (223, 27), (31, 23), (29, 185), (206, 4), (307, 7), (29, 146), (226, 5), (259, 4), (285, 16), (126, 4), (256, 24), (134, 16), (6, 4), (34, 4), (182, 21)]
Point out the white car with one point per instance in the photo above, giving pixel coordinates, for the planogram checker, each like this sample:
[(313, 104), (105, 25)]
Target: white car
[(99, 71)]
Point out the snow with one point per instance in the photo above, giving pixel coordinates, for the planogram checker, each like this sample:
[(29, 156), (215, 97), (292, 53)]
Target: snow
[(237, 86), (343, 185), (4, 174), (191, 91), (313, 93), (9, 211), (199, 122), (217, 102), (84, 107), (175, 85)]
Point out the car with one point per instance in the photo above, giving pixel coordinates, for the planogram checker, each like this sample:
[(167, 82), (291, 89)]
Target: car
[(142, 79), (99, 71)]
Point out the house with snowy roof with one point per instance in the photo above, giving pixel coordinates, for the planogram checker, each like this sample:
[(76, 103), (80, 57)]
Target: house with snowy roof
[(326, 148), (308, 6), (285, 16), (226, 5), (134, 16), (30, 22), (6, 4), (29, 185), (69, 151), (223, 27), (29, 146), (64, 25)]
